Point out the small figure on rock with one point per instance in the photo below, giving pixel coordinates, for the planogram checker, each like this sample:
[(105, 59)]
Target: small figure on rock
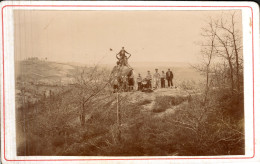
[(123, 59)]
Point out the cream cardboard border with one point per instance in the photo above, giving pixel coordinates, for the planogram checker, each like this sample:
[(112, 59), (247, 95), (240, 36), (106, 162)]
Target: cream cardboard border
[(9, 90)]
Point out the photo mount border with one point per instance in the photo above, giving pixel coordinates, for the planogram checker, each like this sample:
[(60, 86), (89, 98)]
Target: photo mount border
[(137, 6)]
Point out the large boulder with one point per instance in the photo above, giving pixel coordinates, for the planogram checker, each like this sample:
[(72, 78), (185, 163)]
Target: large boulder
[(119, 72)]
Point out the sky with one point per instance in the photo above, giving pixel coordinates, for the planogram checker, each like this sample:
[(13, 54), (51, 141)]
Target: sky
[(87, 36)]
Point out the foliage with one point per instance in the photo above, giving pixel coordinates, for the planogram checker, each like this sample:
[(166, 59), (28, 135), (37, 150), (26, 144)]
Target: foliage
[(162, 103), (144, 102), (195, 128)]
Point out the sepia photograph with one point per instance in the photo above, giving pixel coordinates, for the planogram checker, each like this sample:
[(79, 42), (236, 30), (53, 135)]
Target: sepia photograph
[(129, 83)]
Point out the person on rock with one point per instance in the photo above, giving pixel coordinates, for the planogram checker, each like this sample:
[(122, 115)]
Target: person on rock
[(123, 59)]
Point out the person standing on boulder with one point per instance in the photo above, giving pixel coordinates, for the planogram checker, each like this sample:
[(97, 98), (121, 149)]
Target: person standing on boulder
[(169, 77), (122, 57)]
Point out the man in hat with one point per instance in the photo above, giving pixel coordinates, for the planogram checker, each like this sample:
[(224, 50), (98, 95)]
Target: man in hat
[(169, 77)]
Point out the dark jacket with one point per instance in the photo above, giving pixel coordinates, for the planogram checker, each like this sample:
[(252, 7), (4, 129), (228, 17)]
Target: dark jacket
[(169, 75)]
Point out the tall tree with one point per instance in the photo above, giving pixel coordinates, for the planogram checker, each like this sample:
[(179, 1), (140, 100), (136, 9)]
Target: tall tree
[(236, 43), (207, 53), (90, 83)]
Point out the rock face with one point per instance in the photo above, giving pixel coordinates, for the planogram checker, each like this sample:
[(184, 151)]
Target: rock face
[(119, 72)]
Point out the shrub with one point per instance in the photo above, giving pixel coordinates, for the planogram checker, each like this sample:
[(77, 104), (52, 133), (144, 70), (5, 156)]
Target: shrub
[(187, 85), (178, 100), (144, 102), (162, 103)]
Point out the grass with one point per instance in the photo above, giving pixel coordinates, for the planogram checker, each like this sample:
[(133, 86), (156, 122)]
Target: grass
[(164, 102), (144, 102)]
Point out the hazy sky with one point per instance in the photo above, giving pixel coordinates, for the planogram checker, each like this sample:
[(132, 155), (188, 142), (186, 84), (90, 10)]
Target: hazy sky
[(87, 36)]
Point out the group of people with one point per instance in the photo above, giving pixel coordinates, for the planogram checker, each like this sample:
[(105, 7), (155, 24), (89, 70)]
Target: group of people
[(158, 79), (126, 82)]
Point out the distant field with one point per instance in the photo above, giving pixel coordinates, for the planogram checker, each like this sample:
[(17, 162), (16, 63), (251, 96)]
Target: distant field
[(43, 71), (38, 78), (54, 73)]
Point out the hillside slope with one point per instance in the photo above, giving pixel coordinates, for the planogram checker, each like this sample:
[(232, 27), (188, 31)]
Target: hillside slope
[(43, 71)]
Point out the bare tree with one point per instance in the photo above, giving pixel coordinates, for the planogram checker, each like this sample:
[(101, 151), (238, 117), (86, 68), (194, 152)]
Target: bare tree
[(207, 52), (235, 43), (223, 39), (225, 51), (90, 83)]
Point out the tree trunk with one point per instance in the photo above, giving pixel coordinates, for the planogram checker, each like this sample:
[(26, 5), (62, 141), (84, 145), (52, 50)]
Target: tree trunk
[(82, 116), (231, 75), (207, 86), (237, 64), (118, 118)]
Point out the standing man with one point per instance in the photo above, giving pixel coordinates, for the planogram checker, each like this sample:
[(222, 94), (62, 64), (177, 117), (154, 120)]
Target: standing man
[(125, 83), (131, 82), (122, 57), (115, 84), (139, 82), (169, 77), (156, 77), (149, 79), (163, 77)]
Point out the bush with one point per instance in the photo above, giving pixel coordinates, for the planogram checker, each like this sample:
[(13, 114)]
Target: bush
[(187, 85), (178, 100), (144, 102), (162, 103)]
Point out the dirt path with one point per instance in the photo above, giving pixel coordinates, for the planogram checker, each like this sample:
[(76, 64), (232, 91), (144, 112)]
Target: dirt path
[(148, 99)]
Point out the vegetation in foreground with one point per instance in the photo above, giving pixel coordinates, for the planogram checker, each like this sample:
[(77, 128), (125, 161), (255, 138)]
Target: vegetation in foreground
[(193, 129)]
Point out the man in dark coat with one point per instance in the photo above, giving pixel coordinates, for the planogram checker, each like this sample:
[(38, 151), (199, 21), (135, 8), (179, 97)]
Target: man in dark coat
[(169, 77), (163, 77)]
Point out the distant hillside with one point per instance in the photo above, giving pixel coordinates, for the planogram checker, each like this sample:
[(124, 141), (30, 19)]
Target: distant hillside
[(53, 72), (43, 71)]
